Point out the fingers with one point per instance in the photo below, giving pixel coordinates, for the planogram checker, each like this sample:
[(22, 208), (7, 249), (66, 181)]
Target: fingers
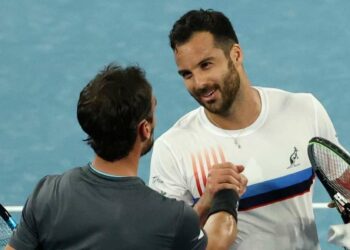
[(237, 167), (226, 176), (240, 168), (244, 182), (331, 204)]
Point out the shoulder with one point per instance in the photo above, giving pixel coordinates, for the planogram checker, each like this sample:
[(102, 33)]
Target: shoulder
[(173, 209), (181, 212), (279, 99), (183, 219), (187, 125), (285, 95), (50, 179), (50, 183), (185, 122), (164, 203)]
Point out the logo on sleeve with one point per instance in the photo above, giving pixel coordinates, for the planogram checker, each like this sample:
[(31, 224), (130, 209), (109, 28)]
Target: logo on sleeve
[(201, 234), (157, 179)]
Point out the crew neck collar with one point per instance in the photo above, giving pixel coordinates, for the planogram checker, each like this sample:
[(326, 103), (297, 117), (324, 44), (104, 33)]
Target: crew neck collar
[(93, 169), (239, 132)]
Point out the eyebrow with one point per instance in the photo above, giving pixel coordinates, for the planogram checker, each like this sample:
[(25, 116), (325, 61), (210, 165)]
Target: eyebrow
[(182, 71)]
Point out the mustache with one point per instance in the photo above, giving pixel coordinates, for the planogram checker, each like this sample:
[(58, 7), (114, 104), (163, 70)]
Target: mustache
[(205, 89)]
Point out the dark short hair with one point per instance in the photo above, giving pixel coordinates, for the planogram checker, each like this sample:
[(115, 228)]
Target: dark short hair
[(111, 106), (200, 21)]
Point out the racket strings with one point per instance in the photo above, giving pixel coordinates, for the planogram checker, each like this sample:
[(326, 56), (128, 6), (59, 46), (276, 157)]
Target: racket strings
[(5, 233), (334, 168)]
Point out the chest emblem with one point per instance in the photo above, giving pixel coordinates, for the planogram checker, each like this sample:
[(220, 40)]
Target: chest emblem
[(294, 159)]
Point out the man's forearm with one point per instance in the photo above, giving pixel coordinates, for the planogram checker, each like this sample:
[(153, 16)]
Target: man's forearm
[(221, 222), (202, 209), (221, 229)]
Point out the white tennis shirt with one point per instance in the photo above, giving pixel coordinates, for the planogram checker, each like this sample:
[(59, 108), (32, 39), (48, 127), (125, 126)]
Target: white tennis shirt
[(276, 210)]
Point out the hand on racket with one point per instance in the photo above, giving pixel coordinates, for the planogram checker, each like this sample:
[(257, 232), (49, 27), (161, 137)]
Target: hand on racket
[(7, 225), (332, 166)]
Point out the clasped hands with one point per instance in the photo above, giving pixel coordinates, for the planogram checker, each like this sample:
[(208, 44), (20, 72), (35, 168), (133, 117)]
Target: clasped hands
[(225, 176)]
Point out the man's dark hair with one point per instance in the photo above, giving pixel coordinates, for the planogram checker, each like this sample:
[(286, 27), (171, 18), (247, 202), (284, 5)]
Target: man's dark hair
[(200, 21), (111, 106)]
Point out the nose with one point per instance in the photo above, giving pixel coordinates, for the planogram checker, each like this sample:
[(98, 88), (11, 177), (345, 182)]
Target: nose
[(199, 80)]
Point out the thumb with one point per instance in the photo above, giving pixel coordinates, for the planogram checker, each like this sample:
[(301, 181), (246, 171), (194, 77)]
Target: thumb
[(240, 168)]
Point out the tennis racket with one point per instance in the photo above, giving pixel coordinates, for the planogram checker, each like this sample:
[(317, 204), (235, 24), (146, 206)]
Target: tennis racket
[(332, 166), (7, 225)]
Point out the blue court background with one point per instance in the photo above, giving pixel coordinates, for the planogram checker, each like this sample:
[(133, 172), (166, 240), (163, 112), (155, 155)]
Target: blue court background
[(50, 49)]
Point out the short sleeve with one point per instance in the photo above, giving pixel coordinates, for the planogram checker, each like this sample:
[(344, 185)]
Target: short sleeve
[(324, 125), (165, 174), (26, 235), (189, 235)]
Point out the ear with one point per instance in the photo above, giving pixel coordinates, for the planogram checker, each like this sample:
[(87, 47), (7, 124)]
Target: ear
[(144, 130), (236, 55)]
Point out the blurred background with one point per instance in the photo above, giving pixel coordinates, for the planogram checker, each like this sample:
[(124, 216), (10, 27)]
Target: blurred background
[(49, 50)]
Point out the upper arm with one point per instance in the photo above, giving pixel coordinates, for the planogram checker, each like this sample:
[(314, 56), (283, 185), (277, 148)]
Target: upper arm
[(26, 234), (165, 173), (189, 235)]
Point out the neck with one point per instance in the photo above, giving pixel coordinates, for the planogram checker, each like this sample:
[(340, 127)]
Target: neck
[(127, 166), (243, 112)]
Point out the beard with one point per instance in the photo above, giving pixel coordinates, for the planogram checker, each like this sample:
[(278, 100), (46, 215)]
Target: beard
[(149, 144), (228, 90)]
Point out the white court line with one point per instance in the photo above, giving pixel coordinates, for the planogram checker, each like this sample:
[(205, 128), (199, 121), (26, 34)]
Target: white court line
[(17, 209), (319, 205), (14, 209)]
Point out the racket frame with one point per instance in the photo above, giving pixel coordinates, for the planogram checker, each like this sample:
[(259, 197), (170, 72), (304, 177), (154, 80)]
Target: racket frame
[(342, 204), (7, 218)]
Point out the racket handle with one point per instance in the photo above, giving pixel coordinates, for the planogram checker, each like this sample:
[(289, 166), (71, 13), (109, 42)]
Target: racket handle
[(345, 213), (345, 218)]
